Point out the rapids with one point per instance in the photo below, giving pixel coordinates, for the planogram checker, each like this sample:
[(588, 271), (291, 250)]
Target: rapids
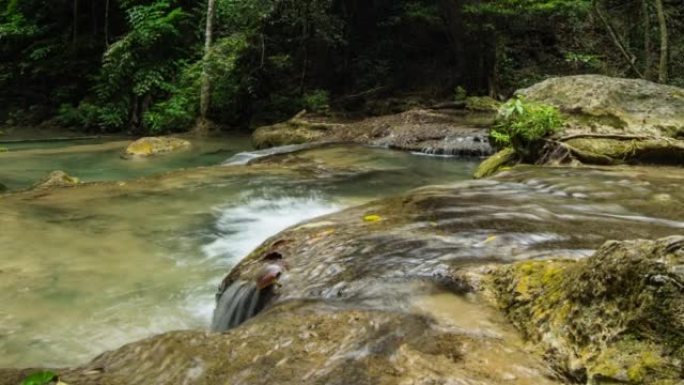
[(88, 269)]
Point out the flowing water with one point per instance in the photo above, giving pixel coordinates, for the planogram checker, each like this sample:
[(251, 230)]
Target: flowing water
[(84, 270), (99, 159)]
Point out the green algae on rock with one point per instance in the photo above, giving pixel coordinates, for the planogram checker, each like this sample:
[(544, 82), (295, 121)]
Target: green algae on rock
[(503, 158), (607, 150), (155, 145), (617, 316), (57, 179), (482, 104)]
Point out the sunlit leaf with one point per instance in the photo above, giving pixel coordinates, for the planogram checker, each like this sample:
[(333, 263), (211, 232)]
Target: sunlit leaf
[(372, 218), (40, 378)]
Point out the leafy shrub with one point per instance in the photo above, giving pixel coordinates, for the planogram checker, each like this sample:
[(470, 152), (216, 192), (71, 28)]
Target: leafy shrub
[(460, 94), (316, 101), (521, 123)]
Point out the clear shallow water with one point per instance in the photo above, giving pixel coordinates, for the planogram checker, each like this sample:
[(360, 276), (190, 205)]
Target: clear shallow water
[(86, 270), (25, 163)]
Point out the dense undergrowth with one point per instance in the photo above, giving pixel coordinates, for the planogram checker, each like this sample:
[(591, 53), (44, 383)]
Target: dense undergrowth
[(137, 65)]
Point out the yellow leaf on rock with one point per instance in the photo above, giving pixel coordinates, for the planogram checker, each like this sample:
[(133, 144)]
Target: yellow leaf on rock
[(490, 238), (372, 218)]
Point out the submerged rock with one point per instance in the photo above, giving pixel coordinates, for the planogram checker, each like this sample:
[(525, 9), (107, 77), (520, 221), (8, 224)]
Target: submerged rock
[(57, 179), (615, 317), (438, 132), (607, 105), (155, 145)]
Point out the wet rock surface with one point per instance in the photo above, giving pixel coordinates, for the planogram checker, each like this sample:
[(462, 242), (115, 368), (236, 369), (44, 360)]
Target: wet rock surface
[(315, 343), (523, 214), (437, 132)]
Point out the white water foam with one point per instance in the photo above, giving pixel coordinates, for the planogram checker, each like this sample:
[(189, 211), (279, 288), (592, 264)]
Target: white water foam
[(246, 224)]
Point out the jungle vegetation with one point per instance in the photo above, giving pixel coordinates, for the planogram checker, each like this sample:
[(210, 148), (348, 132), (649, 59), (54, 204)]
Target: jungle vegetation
[(155, 66)]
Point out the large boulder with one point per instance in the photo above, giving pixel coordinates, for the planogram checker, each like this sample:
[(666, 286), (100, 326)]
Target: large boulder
[(615, 317), (155, 145), (607, 105)]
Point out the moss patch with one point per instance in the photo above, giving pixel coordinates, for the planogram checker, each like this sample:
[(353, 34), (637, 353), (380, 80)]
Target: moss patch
[(496, 162), (617, 316), (482, 104)]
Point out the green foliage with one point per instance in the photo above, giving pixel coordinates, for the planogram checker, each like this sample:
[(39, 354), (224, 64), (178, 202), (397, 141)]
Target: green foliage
[(482, 104), (515, 8), (135, 64), (521, 123), (460, 94), (583, 61), (317, 101), (40, 378)]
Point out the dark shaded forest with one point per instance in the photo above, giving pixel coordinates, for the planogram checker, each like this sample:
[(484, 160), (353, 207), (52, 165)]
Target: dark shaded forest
[(141, 66)]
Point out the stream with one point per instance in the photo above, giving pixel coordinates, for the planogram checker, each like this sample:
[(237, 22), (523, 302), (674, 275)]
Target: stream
[(372, 241), (85, 270)]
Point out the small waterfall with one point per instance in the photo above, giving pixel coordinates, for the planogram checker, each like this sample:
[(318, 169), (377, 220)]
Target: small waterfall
[(238, 303), (457, 145), (246, 157)]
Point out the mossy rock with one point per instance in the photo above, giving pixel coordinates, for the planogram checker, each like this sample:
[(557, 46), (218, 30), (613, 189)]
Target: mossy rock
[(482, 104), (496, 162), (57, 179), (617, 316), (150, 146), (3, 188), (608, 150), (286, 133)]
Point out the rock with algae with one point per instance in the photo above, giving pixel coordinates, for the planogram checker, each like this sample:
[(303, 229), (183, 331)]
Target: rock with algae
[(615, 317), (155, 145), (496, 162), (606, 150), (57, 179)]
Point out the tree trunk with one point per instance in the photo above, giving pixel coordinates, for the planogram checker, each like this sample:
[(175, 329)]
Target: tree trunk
[(106, 27), (648, 58), (631, 59), (205, 92), (664, 45), (75, 27)]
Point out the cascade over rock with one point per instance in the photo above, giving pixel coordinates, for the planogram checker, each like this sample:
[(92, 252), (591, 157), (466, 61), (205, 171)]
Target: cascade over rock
[(437, 132)]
